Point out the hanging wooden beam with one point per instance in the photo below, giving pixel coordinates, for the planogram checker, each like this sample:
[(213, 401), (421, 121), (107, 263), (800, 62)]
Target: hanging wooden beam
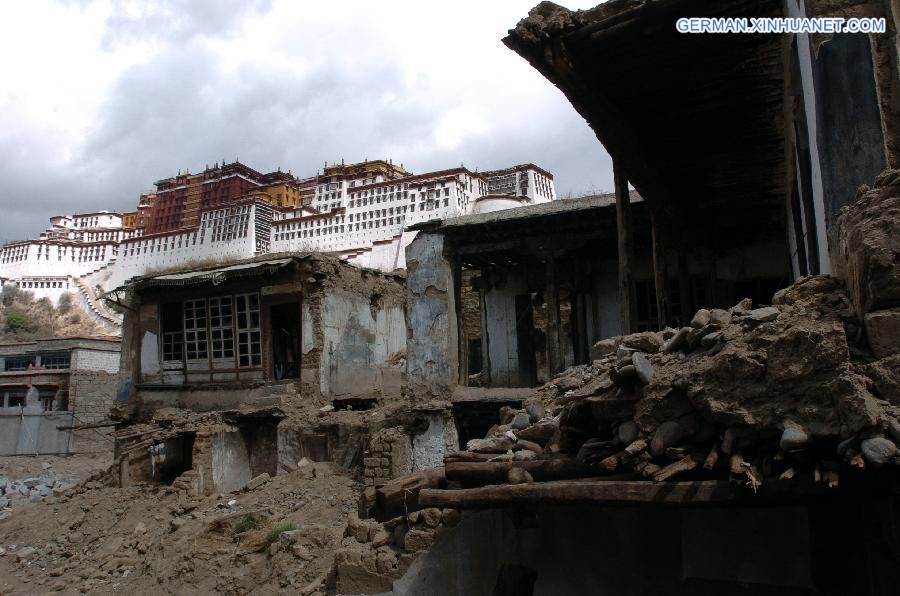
[(625, 250), (660, 274)]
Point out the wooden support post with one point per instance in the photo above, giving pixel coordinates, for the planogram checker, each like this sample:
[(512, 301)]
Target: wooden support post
[(684, 287), (555, 358), (660, 275), (626, 251)]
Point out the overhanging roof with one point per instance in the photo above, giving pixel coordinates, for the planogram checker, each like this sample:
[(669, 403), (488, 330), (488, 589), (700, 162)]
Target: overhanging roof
[(215, 275), (695, 121)]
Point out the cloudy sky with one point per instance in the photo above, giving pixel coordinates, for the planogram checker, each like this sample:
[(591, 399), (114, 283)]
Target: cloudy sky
[(100, 98)]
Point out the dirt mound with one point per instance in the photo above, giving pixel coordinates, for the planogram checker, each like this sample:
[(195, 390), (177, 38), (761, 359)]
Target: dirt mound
[(153, 539)]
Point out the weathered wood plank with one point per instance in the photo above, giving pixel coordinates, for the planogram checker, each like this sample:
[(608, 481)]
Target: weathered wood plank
[(578, 491), (540, 469)]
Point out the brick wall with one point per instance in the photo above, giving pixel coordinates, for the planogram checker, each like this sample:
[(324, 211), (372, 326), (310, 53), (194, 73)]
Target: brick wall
[(95, 360), (91, 394), (389, 455)]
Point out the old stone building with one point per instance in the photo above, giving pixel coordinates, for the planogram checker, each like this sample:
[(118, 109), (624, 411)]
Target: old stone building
[(52, 383)]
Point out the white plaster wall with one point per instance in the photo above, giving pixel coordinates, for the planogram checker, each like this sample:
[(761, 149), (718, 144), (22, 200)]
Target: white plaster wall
[(356, 343), (430, 447), (230, 461)]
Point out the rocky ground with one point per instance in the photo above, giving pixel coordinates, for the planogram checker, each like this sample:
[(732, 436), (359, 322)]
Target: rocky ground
[(277, 537)]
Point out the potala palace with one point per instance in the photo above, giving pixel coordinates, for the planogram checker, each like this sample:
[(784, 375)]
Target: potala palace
[(361, 211)]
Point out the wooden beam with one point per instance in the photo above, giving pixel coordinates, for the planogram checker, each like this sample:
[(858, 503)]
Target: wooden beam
[(625, 250), (660, 274), (563, 492), (540, 469)]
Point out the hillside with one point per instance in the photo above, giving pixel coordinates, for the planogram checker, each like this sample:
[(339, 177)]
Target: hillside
[(22, 318)]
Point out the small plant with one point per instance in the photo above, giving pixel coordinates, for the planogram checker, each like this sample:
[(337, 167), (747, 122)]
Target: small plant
[(18, 321), (249, 522), (276, 532)]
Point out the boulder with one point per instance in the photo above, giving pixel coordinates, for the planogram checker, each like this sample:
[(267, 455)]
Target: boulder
[(604, 347), (647, 341), (793, 438), (678, 340), (520, 421), (667, 435), (762, 315), (535, 411), (539, 433), (719, 316), (642, 367), (883, 332), (701, 319), (628, 432), (878, 450), (500, 444)]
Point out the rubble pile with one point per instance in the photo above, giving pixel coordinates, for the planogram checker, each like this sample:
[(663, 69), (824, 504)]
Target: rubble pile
[(753, 395), (34, 489), (279, 535), (373, 555)]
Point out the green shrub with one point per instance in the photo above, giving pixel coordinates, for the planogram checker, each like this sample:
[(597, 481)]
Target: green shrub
[(17, 321), (276, 532), (249, 522)]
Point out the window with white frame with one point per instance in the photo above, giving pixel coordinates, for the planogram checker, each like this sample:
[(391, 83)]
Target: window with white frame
[(195, 340), (249, 342)]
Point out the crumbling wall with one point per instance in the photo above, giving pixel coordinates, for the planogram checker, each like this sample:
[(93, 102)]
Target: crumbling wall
[(434, 442), (867, 260), (432, 342), (354, 331), (389, 454)]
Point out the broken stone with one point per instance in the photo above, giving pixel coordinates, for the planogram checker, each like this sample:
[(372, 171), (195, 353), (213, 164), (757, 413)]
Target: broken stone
[(178, 522), (529, 445), (793, 438), (524, 455), (520, 421), (418, 539), (623, 355), (626, 371), (604, 347), (535, 411), (431, 516), (894, 429), (506, 415), (642, 367), (878, 450), (719, 316), (258, 481), (519, 476), (450, 517), (701, 319), (763, 315), (708, 341), (500, 444), (667, 435), (883, 332), (627, 432), (678, 340), (646, 341), (742, 307), (539, 433), (25, 553)]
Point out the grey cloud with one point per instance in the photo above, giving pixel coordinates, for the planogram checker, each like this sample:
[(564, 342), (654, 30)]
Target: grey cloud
[(183, 108)]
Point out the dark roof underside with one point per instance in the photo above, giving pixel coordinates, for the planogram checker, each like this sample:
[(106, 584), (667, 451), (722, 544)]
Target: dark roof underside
[(694, 120)]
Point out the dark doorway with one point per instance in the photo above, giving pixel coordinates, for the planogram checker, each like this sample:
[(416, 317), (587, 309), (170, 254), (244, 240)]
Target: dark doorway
[(261, 438), (475, 418), (285, 322), (175, 458)]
